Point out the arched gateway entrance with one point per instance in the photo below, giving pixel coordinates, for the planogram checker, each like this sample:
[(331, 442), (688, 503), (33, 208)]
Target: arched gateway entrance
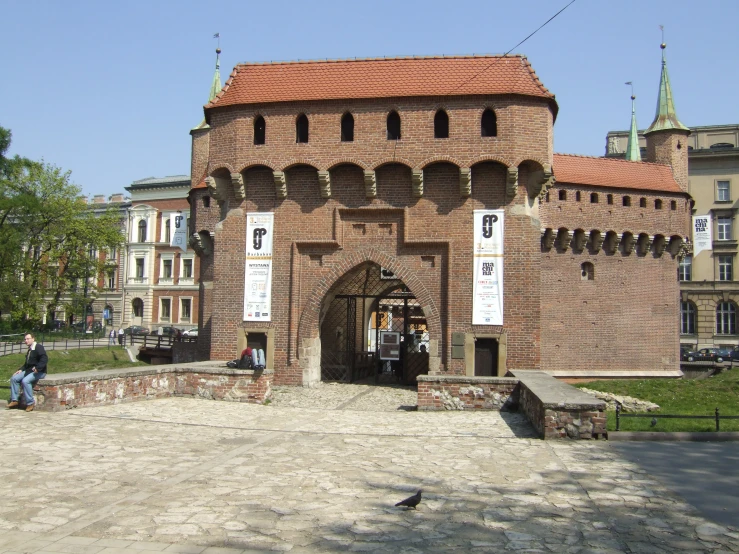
[(372, 329)]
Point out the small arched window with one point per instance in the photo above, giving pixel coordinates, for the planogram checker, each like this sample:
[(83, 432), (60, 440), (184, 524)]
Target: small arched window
[(393, 126), (593, 197), (142, 230), (301, 128), (658, 204), (260, 130), (488, 124), (577, 196), (347, 127), (609, 199), (206, 201), (138, 307), (673, 205), (642, 202), (167, 231), (563, 195), (626, 201), (441, 124), (587, 271)]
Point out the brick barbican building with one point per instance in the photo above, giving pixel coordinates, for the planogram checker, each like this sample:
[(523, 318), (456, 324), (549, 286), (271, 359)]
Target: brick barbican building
[(382, 186)]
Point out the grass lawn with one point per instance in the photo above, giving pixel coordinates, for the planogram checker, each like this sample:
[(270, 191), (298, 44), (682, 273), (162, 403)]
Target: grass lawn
[(61, 361), (678, 397)]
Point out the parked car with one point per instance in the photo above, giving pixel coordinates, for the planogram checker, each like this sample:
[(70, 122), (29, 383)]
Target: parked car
[(687, 354), (713, 354), (194, 333), (56, 325), (167, 331), (136, 330), (735, 353)]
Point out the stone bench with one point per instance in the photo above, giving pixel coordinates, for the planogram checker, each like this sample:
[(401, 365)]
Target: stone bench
[(554, 408), (209, 380)]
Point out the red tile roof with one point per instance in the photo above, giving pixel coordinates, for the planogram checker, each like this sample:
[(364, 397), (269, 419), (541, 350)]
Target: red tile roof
[(256, 83), (610, 172)]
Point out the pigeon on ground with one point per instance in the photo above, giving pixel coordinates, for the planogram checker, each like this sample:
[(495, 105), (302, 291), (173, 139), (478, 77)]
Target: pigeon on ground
[(411, 501)]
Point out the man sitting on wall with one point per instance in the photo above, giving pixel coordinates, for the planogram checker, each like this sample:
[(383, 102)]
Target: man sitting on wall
[(31, 371)]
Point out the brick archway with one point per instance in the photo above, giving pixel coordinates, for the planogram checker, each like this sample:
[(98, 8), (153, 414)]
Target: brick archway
[(309, 353)]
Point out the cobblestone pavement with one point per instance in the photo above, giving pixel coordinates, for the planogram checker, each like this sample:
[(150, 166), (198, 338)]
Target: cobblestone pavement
[(189, 475)]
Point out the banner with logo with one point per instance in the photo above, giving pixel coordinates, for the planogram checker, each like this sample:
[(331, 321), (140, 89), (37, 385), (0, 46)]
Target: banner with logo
[(701, 234), (178, 230), (258, 274), (487, 291)]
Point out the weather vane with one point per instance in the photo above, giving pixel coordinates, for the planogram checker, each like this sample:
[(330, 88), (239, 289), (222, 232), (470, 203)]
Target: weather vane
[(218, 36)]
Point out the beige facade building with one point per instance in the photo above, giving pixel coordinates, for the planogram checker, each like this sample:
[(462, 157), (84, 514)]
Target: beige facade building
[(709, 279), (160, 281)]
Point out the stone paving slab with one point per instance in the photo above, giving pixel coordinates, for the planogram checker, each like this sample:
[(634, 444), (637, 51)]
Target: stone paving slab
[(190, 475)]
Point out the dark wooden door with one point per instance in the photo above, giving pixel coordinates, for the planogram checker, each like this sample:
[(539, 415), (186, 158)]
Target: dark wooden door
[(486, 358)]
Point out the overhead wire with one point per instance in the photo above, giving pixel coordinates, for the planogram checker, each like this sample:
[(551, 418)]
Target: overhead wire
[(484, 69)]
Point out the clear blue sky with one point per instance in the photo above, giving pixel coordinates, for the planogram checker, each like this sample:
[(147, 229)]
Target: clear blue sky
[(110, 90)]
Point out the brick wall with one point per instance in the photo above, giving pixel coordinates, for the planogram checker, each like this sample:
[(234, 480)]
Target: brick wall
[(60, 392), (427, 241)]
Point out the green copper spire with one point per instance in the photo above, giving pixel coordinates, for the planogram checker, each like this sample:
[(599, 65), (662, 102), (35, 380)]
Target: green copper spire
[(665, 119), (633, 152), (215, 88)]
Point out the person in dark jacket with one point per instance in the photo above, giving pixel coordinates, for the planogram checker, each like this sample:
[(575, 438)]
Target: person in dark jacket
[(31, 371)]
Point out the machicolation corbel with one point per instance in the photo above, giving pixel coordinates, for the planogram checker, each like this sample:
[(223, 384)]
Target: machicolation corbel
[(324, 182), (547, 239), (596, 240), (417, 182), (212, 185), (370, 184), (543, 180), (512, 182), (465, 181), (627, 242), (280, 184), (579, 240), (563, 239), (237, 180)]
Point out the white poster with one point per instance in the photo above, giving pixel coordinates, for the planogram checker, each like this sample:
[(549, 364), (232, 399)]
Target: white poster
[(487, 292), (701, 234), (178, 230), (258, 274)]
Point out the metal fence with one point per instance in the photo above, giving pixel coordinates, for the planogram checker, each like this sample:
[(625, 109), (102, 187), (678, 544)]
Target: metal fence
[(13, 344), (655, 417)]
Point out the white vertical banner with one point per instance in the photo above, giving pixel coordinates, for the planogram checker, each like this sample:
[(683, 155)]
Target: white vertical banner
[(701, 234), (258, 274), (487, 291), (178, 230)]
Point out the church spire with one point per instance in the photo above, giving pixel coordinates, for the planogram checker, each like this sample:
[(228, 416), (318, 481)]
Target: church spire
[(665, 119), (215, 87), (633, 152)]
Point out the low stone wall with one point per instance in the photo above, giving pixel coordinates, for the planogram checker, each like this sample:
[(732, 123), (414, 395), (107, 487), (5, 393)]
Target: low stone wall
[(558, 410), (206, 380), (555, 409), (459, 392)]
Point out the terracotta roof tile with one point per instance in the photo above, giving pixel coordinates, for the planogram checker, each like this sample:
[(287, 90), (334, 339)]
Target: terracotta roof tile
[(256, 83), (610, 172)]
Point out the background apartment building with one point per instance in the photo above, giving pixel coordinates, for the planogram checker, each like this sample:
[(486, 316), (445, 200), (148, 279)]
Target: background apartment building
[(160, 285), (709, 284)]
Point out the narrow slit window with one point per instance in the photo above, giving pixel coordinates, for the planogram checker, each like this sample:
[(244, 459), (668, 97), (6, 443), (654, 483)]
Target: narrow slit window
[(658, 204), (260, 128), (563, 195), (593, 197), (441, 124), (488, 124), (347, 127), (627, 201), (393, 126), (301, 128)]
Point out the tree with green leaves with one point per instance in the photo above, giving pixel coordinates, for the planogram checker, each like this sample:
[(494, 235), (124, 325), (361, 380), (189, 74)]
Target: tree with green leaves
[(50, 239)]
